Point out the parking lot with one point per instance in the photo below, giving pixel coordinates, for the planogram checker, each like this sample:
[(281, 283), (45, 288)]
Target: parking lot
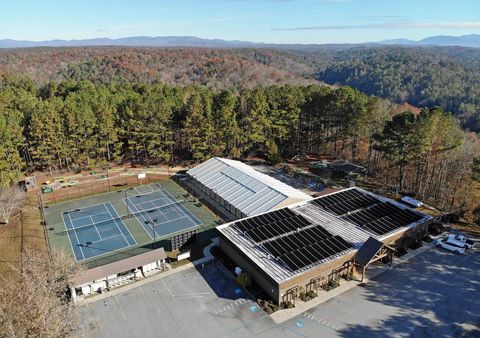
[(433, 295)]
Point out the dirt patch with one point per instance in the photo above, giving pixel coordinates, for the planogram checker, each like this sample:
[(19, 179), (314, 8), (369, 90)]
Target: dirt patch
[(10, 247)]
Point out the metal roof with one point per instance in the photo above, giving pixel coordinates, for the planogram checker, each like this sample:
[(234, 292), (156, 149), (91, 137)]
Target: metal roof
[(367, 251), (123, 265), (335, 224), (246, 189)]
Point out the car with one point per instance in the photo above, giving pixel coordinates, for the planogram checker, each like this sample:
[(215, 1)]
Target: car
[(460, 239), (443, 243)]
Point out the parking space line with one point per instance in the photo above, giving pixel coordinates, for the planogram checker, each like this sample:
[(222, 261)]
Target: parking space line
[(120, 307), (320, 321)]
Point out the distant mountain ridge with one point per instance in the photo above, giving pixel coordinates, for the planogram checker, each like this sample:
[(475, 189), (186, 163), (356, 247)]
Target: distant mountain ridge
[(472, 40), (133, 41)]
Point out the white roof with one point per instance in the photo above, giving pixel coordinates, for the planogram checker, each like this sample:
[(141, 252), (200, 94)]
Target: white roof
[(242, 186)]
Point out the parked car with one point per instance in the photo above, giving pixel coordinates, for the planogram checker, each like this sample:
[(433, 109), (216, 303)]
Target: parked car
[(460, 239), (443, 243)]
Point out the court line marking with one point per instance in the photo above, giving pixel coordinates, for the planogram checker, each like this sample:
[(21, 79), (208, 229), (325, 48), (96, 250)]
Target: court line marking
[(170, 220), (157, 206), (71, 244), (78, 241), (148, 185), (106, 239), (83, 208), (175, 203), (139, 214), (195, 220), (154, 232), (99, 213), (113, 219), (126, 227), (95, 226)]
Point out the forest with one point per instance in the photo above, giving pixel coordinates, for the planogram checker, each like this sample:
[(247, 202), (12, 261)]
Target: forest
[(79, 125), (422, 76)]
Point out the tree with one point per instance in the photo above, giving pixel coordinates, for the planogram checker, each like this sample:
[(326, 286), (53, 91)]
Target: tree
[(11, 199), (46, 135), (198, 128), (398, 142), (35, 302)]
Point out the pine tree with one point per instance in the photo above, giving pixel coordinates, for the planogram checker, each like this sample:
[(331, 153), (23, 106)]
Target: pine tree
[(47, 145)]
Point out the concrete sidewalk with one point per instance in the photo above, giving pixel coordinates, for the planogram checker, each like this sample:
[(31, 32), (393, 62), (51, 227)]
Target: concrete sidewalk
[(281, 316)]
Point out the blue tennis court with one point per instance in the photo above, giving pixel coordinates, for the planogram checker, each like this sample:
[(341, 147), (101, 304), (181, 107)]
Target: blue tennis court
[(96, 230), (160, 213)]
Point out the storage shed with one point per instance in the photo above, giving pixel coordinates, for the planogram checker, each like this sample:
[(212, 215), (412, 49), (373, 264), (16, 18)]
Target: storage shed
[(117, 273)]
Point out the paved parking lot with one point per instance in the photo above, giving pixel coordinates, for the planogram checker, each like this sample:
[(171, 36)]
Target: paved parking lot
[(433, 295)]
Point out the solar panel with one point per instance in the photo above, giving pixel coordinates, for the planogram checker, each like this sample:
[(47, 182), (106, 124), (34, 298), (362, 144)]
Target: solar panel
[(383, 218), (346, 201), (296, 240), (270, 230), (314, 252), (264, 219)]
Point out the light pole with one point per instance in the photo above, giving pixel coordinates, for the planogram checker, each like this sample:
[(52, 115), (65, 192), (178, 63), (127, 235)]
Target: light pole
[(152, 223)]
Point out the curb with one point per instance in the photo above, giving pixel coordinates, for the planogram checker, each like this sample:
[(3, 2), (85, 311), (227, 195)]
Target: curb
[(281, 316)]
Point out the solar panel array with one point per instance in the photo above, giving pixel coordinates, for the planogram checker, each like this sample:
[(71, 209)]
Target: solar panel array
[(288, 237), (305, 247), (293, 240), (313, 253), (383, 218), (272, 224), (345, 201), (371, 214)]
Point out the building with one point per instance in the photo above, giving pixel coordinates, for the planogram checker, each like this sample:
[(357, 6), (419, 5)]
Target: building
[(117, 273), (240, 189), (301, 247)]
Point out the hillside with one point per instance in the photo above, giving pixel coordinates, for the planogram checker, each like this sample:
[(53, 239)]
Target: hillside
[(437, 76), (423, 77), (212, 68)]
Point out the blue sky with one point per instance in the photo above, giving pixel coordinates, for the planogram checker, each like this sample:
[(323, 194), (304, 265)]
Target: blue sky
[(276, 21)]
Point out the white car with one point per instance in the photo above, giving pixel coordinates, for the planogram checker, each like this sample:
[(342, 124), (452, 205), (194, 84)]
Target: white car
[(443, 243), (461, 240)]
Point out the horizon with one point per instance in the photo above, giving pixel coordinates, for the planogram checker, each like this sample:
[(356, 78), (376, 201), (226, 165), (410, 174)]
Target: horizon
[(240, 41), (260, 21)]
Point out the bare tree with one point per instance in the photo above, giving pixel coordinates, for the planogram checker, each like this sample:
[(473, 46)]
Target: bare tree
[(11, 199), (35, 303)]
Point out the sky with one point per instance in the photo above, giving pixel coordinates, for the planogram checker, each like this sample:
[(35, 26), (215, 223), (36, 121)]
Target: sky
[(273, 21)]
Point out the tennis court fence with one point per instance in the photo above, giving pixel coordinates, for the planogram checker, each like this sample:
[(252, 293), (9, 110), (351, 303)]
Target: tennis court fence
[(97, 187)]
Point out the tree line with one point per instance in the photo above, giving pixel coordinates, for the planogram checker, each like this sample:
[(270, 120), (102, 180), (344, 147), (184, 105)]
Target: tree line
[(80, 125)]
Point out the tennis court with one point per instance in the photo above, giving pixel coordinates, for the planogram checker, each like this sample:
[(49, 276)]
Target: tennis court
[(96, 230), (159, 212)]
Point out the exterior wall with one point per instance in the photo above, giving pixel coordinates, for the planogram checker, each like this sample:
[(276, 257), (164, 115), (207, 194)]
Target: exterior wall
[(404, 238), (319, 271), (258, 275)]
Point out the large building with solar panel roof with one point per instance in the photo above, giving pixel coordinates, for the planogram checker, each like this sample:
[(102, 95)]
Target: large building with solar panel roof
[(289, 249), (240, 189)]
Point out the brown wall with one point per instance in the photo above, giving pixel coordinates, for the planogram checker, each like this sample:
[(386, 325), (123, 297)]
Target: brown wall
[(258, 275), (319, 271)]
